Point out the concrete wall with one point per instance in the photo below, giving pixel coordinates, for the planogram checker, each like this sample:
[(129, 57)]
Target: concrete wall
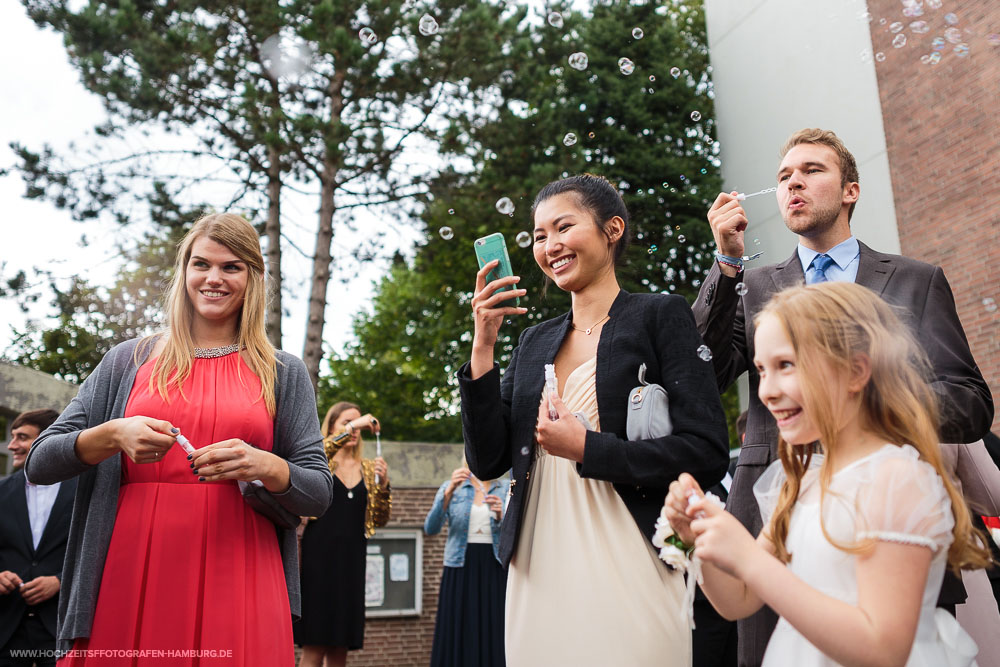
[(23, 389), (779, 66)]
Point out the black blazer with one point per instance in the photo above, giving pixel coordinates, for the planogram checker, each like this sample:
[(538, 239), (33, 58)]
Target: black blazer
[(498, 416), (17, 552)]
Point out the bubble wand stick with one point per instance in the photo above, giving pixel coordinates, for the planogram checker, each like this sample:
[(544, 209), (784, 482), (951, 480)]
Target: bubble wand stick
[(741, 196)]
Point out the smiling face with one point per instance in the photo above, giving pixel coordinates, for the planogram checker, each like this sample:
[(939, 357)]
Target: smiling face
[(811, 198), (21, 439), (780, 388), (216, 283), (570, 247)]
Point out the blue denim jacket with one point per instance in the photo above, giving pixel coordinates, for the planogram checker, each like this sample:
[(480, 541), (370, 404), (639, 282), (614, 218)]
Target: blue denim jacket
[(458, 519)]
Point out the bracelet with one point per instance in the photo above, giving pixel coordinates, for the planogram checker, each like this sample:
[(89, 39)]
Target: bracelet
[(735, 262)]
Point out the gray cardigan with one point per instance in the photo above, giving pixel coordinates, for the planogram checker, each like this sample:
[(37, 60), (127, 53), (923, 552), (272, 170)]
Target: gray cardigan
[(103, 397)]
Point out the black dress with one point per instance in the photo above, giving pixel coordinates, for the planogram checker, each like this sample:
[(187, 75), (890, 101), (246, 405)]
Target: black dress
[(333, 572)]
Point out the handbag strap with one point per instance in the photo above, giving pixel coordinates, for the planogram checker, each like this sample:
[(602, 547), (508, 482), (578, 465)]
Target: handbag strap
[(642, 375)]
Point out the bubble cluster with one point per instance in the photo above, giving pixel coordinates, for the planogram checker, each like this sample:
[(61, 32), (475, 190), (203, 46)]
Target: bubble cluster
[(523, 239), (637, 33), (578, 60), (741, 289), (704, 353), (919, 28), (569, 139), (286, 55), (675, 72), (695, 116), (446, 233), (626, 66), (367, 36), (505, 205), (555, 19), (428, 25)]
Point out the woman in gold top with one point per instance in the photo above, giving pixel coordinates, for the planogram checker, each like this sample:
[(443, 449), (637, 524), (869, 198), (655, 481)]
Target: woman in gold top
[(333, 546)]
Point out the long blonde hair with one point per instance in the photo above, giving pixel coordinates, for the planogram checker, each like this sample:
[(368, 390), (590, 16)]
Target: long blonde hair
[(830, 325), (173, 366), (333, 414)]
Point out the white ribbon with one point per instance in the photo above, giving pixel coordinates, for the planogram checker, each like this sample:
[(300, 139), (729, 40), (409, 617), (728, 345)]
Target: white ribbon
[(960, 649)]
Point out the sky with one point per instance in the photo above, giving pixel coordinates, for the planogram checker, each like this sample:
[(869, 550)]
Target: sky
[(46, 103)]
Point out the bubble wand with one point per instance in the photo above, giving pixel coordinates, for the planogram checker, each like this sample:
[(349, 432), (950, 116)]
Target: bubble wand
[(741, 196), (378, 452)]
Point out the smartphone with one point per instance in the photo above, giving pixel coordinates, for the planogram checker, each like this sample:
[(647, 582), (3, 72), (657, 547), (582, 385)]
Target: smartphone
[(494, 247)]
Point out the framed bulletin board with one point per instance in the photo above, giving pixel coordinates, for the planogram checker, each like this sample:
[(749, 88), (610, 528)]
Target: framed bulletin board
[(394, 573)]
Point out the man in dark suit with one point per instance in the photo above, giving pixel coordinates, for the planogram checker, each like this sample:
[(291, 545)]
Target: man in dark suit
[(817, 191), (34, 525)]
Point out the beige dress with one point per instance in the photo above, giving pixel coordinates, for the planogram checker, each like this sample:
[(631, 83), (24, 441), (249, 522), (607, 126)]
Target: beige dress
[(585, 586)]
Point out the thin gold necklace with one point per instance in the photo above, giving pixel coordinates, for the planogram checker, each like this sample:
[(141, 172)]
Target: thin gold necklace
[(590, 329)]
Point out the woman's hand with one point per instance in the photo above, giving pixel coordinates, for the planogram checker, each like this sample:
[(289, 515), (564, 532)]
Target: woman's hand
[(366, 421), (458, 476), (564, 437), (382, 471), (496, 506), (675, 506), (142, 439), (235, 459), (488, 312), (720, 539)]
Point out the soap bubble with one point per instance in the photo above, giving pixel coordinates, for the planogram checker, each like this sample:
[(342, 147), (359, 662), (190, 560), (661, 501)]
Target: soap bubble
[(741, 289), (428, 26), (919, 27), (704, 353), (367, 36), (505, 205), (681, 239), (695, 116), (286, 55), (578, 60), (938, 43), (626, 66), (934, 58), (934, 4), (506, 77), (950, 18), (989, 304), (555, 19), (962, 50), (953, 35), (569, 139), (756, 241), (881, 21), (451, 211), (899, 41), (880, 57), (525, 451), (652, 78), (590, 135), (523, 239), (866, 56), (446, 233), (637, 33), (895, 27), (675, 72), (993, 39), (865, 16)]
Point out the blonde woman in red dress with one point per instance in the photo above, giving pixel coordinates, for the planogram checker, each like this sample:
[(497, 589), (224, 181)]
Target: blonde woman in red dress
[(166, 562)]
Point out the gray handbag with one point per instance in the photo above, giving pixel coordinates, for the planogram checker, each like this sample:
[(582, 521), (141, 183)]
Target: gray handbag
[(648, 411)]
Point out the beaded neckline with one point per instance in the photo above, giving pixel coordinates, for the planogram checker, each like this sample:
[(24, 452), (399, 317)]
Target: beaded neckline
[(213, 352)]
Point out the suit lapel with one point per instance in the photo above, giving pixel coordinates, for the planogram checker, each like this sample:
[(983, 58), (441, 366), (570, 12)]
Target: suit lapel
[(788, 273), (874, 269), (19, 500)]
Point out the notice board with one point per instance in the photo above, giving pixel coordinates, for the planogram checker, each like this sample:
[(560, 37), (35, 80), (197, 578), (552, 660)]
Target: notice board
[(394, 573)]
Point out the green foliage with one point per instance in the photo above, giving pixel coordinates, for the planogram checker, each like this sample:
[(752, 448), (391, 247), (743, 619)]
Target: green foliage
[(635, 131)]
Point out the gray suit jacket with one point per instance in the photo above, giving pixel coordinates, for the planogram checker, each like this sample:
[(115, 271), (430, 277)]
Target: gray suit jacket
[(924, 300)]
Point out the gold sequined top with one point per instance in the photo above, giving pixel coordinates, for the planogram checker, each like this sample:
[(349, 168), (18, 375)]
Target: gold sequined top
[(379, 498)]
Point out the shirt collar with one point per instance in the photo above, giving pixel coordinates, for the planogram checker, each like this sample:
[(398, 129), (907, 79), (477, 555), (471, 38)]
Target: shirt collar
[(842, 254)]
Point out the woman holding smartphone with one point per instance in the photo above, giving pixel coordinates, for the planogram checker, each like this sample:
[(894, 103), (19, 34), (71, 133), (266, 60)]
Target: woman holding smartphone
[(163, 551), (585, 585)]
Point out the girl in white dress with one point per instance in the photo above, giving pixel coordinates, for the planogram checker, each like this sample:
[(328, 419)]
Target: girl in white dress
[(856, 539)]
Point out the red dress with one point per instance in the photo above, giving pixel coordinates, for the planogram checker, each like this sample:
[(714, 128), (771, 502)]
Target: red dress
[(193, 575)]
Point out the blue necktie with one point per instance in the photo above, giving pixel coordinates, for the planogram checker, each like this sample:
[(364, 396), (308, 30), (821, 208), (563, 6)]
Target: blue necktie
[(819, 266)]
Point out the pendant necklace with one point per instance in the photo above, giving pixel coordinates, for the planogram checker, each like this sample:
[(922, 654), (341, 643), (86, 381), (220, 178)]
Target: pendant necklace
[(590, 329)]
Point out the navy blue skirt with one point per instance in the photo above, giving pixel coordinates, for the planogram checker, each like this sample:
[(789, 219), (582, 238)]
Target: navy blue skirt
[(469, 627)]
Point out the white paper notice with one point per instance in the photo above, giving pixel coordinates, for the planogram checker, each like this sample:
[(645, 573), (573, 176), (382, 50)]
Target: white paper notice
[(399, 567), (375, 580)]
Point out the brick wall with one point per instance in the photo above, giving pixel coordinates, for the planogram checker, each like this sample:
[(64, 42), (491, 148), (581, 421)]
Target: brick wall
[(392, 642), (942, 126)]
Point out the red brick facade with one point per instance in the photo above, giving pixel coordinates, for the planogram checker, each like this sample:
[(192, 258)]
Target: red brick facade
[(942, 127), (399, 642)]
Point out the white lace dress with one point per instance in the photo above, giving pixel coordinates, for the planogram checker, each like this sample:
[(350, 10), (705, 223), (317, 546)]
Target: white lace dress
[(889, 495)]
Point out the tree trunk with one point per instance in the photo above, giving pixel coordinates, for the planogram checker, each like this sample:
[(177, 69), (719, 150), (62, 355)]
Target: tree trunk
[(273, 231), (312, 353)]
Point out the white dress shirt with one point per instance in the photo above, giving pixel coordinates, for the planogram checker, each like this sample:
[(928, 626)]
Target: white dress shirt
[(40, 501)]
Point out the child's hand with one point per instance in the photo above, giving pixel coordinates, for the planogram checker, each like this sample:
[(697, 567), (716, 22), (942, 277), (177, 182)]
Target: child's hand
[(720, 539), (675, 506)]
